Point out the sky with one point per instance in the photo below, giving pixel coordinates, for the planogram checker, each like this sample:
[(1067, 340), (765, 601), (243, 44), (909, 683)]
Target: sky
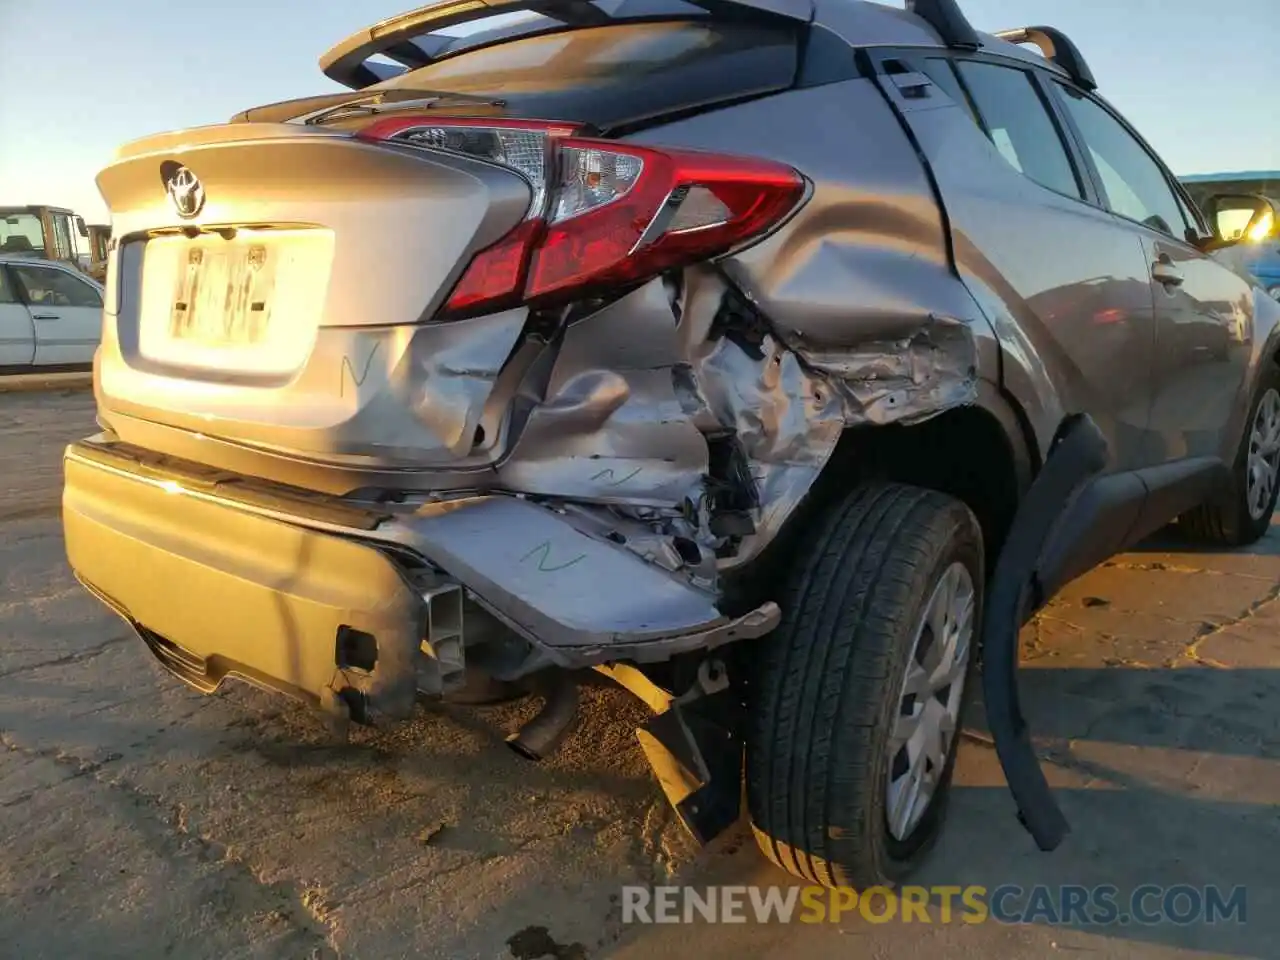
[(1199, 78)]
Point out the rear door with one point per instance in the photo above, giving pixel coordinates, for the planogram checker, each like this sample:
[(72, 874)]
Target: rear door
[(1203, 309), (1066, 284), (66, 312), (17, 337)]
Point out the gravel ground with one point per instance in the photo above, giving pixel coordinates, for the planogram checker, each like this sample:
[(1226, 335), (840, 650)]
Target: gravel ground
[(141, 819)]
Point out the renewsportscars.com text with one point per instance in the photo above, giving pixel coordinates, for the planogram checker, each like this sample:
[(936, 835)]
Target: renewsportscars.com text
[(1076, 905)]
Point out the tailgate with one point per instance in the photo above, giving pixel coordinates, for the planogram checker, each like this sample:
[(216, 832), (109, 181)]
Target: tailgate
[(270, 280)]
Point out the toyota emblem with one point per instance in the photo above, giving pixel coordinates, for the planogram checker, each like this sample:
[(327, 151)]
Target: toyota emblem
[(184, 188)]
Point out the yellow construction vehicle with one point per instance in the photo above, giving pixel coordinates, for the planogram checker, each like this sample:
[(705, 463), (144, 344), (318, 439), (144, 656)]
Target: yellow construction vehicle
[(52, 233), (99, 235)]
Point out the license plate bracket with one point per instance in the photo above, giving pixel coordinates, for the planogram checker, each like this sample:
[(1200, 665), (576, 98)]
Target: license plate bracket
[(223, 294), (235, 301)]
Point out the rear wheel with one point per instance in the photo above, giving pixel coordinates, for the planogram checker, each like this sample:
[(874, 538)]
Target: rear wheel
[(859, 695), (1241, 513)]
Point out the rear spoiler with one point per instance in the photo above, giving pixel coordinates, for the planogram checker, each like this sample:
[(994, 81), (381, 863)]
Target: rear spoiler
[(411, 39)]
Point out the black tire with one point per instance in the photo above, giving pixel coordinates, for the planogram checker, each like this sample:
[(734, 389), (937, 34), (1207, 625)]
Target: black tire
[(1225, 520), (828, 684)]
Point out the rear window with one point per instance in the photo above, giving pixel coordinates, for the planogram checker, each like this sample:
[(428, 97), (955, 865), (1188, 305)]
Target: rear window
[(625, 71), (578, 56)]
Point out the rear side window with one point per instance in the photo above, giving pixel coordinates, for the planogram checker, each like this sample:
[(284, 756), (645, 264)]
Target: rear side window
[(1019, 124)]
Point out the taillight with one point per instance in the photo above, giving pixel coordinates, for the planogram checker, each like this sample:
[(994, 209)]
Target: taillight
[(603, 213)]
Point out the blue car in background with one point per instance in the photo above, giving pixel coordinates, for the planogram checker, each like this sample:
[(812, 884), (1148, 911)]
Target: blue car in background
[(1263, 257)]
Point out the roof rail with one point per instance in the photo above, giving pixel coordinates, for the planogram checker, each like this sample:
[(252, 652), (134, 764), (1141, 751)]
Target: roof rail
[(946, 17), (1057, 48)]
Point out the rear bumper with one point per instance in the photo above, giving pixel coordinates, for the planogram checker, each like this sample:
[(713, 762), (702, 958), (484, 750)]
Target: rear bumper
[(313, 597)]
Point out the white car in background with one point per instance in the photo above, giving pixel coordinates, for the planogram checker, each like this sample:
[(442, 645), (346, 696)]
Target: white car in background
[(50, 316)]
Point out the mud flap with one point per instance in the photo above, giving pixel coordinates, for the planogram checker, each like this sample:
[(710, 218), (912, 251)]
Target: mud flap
[(695, 751), (1045, 525)]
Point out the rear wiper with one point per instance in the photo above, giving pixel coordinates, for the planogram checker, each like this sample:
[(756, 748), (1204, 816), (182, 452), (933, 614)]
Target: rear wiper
[(374, 103)]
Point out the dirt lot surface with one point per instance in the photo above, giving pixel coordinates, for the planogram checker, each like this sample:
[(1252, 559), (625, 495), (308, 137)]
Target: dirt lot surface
[(143, 820)]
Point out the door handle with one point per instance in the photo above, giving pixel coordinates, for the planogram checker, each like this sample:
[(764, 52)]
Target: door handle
[(1163, 271), (912, 86), (45, 316)]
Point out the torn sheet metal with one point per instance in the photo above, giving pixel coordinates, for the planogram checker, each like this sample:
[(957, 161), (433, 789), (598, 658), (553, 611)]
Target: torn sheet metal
[(786, 419), (787, 404), (670, 539), (644, 392), (904, 380)]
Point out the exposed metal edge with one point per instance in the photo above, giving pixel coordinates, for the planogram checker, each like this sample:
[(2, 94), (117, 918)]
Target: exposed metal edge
[(750, 626)]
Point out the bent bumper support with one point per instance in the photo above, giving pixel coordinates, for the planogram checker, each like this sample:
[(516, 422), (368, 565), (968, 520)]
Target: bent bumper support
[(580, 599), (695, 749), (693, 743), (1046, 525)]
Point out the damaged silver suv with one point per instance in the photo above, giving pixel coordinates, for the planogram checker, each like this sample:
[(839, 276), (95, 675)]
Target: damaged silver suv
[(772, 358)]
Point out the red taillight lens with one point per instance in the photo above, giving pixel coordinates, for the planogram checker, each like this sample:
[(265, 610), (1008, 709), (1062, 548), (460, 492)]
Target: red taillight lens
[(495, 278), (665, 208), (603, 213)]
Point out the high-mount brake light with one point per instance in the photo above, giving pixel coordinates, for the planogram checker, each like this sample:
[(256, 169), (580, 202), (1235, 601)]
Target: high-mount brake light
[(603, 213)]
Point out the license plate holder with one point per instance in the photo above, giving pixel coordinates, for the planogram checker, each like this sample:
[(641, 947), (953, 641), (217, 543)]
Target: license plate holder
[(238, 301), (223, 294)]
